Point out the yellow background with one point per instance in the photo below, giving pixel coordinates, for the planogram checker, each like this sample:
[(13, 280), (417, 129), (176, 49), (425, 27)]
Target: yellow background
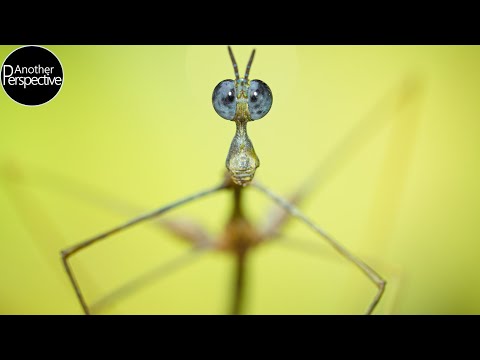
[(136, 123)]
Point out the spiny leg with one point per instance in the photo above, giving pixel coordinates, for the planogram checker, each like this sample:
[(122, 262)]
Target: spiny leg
[(367, 270), (72, 250)]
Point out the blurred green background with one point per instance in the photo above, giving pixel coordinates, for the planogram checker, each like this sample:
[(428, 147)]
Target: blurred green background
[(135, 123)]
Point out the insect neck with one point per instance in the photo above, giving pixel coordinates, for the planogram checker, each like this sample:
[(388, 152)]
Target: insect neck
[(237, 202), (242, 161)]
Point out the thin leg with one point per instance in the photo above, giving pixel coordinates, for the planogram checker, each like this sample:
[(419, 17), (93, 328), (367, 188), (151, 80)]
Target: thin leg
[(72, 250), (310, 248), (367, 270)]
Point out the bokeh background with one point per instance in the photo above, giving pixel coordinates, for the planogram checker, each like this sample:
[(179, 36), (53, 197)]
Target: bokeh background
[(395, 127)]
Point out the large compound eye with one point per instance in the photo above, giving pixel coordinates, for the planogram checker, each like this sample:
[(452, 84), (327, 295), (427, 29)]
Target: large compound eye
[(224, 100), (259, 99)]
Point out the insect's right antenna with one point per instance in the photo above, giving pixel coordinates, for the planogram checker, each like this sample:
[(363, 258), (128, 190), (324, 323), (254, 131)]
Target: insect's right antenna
[(249, 65), (234, 62)]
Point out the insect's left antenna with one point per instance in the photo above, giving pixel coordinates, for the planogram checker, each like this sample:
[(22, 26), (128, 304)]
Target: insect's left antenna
[(234, 62), (249, 65)]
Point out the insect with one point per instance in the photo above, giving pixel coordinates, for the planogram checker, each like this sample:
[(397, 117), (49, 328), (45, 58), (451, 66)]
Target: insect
[(240, 101)]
